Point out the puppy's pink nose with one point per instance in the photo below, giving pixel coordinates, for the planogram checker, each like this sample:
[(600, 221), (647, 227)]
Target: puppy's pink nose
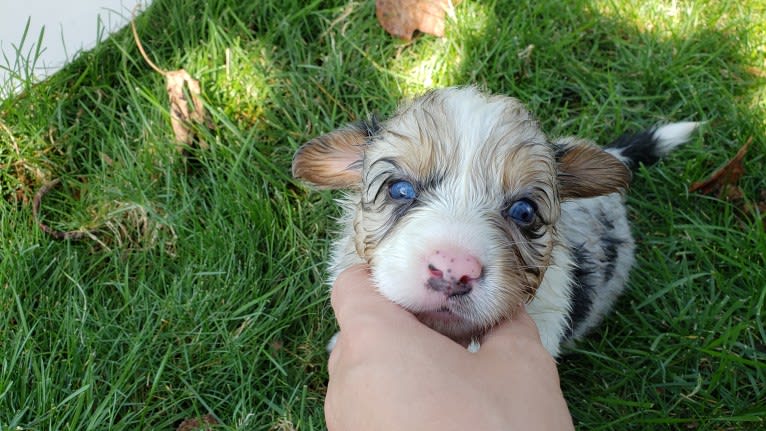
[(452, 271)]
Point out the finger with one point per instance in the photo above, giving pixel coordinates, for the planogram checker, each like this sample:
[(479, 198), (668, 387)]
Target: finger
[(349, 283), (355, 296), (332, 361), (330, 412), (520, 327)]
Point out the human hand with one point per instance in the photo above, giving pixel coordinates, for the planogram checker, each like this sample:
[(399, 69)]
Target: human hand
[(388, 371)]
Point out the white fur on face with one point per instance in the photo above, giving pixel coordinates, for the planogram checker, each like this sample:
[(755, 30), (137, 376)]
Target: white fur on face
[(469, 158), (400, 269)]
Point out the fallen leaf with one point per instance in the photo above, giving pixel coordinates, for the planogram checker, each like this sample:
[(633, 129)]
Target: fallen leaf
[(194, 424), (186, 108), (185, 114), (724, 178), (277, 345), (401, 18)]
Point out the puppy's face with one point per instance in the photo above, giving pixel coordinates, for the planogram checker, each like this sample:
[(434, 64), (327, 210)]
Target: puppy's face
[(456, 201)]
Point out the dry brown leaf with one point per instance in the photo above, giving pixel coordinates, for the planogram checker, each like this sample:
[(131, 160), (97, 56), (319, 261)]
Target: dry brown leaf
[(725, 178), (401, 18), (195, 424), (277, 345), (186, 109), (185, 114)]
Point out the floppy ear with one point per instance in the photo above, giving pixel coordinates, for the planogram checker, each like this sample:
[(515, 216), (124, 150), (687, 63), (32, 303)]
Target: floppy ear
[(585, 170), (333, 160)]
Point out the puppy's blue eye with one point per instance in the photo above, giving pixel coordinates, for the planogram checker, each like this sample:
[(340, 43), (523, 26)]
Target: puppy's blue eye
[(522, 212), (401, 190)]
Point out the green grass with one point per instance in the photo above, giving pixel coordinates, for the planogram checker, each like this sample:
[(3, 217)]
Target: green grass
[(200, 288)]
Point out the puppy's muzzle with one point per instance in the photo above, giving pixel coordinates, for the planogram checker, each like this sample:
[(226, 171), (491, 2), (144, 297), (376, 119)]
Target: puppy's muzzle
[(453, 272)]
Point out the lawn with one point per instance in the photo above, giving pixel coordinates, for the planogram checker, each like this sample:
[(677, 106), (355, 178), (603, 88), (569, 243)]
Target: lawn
[(197, 289)]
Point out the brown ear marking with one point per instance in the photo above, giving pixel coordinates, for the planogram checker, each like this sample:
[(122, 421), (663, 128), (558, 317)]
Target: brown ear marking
[(585, 170), (333, 160)]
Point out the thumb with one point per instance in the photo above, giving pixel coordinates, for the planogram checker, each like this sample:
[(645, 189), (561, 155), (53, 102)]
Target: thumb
[(519, 329), (354, 297)]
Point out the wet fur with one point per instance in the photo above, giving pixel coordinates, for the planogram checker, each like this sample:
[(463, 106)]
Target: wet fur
[(470, 156)]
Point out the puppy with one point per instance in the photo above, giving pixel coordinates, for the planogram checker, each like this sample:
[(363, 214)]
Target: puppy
[(464, 209)]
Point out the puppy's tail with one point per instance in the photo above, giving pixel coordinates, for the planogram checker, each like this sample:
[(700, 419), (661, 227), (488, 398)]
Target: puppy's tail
[(651, 145)]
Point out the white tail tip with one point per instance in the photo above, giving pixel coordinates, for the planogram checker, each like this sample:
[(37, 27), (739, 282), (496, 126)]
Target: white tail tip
[(672, 135)]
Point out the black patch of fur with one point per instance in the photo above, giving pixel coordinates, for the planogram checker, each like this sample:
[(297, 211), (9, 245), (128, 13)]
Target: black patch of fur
[(610, 245), (558, 151), (370, 127), (582, 290), (638, 148), (606, 220)]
